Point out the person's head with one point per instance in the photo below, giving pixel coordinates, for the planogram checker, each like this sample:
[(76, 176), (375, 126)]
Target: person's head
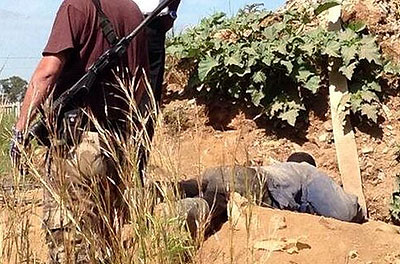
[(302, 157)]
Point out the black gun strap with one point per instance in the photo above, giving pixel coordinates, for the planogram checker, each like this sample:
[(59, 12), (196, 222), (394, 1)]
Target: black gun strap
[(106, 25)]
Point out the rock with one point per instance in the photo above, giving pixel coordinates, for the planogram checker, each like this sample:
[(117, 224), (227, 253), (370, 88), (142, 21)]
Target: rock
[(387, 111), (389, 127), (324, 137), (388, 229), (237, 213), (353, 254), (192, 102), (367, 150), (278, 222), (327, 223), (328, 126), (288, 245), (381, 176), (385, 150)]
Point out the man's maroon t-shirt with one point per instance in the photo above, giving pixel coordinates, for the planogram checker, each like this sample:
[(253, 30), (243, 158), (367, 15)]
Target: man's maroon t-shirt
[(77, 32)]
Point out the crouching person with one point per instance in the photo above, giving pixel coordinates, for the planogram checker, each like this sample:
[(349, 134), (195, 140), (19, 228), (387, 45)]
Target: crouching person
[(295, 185)]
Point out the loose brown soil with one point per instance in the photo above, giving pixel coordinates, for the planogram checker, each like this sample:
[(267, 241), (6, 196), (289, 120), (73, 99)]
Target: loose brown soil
[(195, 136), (244, 141), (322, 241), (200, 145)]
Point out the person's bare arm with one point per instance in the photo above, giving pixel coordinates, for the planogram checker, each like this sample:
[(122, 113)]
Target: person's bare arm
[(40, 86)]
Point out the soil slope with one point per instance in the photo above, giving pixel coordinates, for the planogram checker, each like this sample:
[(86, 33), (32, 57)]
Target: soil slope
[(315, 240)]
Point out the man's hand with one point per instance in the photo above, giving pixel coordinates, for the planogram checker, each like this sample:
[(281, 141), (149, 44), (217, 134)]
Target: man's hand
[(16, 146)]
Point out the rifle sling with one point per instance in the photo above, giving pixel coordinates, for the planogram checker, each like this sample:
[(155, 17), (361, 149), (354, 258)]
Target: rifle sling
[(106, 25)]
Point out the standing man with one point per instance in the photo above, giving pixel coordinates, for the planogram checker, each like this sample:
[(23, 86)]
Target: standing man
[(82, 192)]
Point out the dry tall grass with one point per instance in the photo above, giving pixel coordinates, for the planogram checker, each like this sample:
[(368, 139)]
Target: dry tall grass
[(140, 236), (137, 237)]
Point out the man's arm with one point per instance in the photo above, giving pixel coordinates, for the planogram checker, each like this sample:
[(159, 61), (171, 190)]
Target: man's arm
[(40, 86)]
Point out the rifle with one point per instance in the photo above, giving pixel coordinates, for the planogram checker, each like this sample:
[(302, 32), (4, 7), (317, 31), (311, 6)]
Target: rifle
[(73, 98)]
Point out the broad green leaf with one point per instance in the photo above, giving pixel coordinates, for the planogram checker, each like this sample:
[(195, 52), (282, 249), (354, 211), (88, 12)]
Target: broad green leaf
[(281, 49), (234, 60), (252, 61), (332, 49), (356, 102), (270, 32), (349, 53), (374, 86), (294, 104), (308, 48), (250, 51), (344, 103), (276, 107), (290, 116), (348, 71), (392, 68), (288, 65), (259, 77), (303, 75), (370, 111), (206, 66), (313, 84), (280, 27), (347, 35), (325, 6), (174, 49), (275, 48), (369, 50), (256, 97), (267, 59), (369, 97), (357, 26)]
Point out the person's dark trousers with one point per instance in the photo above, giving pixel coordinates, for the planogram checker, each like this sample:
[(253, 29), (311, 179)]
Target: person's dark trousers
[(156, 48), (156, 32)]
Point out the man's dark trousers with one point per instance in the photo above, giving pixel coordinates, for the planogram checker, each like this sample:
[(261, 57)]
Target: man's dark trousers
[(156, 34)]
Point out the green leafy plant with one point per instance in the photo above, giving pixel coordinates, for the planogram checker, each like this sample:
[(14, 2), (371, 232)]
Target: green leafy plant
[(277, 62), (395, 204)]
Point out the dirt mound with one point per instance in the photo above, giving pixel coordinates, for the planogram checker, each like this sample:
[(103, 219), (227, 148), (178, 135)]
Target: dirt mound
[(244, 141), (279, 236), (284, 237)]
